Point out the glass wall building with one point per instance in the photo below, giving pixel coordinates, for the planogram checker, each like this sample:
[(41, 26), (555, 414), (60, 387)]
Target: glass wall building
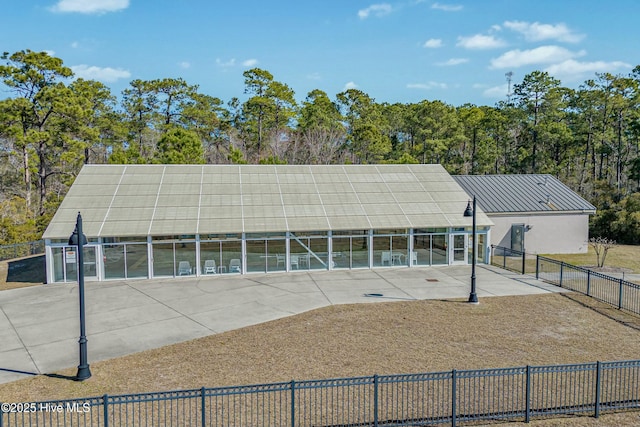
[(146, 221)]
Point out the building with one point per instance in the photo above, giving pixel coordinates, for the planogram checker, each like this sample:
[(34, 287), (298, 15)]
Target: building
[(145, 221), (534, 213)]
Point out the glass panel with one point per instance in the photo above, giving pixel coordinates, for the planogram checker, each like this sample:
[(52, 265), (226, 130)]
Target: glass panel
[(185, 258), (210, 257), (231, 256), (162, 259), (349, 232), (58, 264), (341, 252), (382, 251), (399, 248), (398, 231), (276, 255), (89, 261), (137, 260), (299, 253), (71, 264), (256, 256), (439, 253), (421, 253), (113, 257), (458, 247), (480, 251), (360, 251), (318, 256)]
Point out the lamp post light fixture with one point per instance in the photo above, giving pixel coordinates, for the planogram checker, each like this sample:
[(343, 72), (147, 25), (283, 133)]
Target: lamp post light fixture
[(471, 211), (78, 239)]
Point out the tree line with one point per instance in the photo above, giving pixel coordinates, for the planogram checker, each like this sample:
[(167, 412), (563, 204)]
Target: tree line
[(53, 123)]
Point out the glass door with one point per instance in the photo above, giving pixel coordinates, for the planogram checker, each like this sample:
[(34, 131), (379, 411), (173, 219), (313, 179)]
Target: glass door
[(458, 249)]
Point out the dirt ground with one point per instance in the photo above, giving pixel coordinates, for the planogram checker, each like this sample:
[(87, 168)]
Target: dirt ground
[(365, 339)]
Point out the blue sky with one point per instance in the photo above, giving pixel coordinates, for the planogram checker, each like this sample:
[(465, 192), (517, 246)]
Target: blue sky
[(395, 51)]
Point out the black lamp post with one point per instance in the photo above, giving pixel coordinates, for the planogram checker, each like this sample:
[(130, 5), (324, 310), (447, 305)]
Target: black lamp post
[(78, 239), (471, 211)]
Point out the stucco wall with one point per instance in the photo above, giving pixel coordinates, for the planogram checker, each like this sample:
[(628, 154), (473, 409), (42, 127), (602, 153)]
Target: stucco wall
[(549, 233)]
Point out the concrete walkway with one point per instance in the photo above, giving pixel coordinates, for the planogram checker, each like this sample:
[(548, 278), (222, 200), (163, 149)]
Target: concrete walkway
[(39, 326)]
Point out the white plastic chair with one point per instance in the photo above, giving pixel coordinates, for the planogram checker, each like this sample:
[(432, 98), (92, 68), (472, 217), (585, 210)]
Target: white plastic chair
[(280, 259), (210, 266), (294, 261), (234, 266), (184, 268), (385, 257)]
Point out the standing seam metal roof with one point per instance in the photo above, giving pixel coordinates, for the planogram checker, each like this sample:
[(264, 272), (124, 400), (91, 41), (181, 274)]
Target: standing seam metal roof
[(522, 193), (141, 200)]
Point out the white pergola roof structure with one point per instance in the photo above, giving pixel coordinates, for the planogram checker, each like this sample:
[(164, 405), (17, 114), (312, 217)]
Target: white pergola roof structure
[(156, 200)]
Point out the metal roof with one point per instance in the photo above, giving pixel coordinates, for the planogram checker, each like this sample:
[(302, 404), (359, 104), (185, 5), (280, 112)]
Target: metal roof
[(522, 193), (141, 200)]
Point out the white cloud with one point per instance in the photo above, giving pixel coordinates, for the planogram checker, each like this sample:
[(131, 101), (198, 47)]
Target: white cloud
[(229, 63), (75, 45), (539, 55), (496, 92), (250, 63), (480, 41), (50, 52), (433, 43), (376, 9), (427, 86), (537, 32), (106, 74), (454, 61), (184, 64), (314, 76), (90, 6), (447, 7), (575, 70), (349, 85)]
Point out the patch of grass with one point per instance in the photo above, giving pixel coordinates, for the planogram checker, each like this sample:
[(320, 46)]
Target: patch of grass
[(365, 339), (625, 257)]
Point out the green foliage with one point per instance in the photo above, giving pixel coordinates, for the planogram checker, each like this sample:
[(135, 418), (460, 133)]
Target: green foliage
[(16, 226), (236, 156), (50, 125), (179, 146)]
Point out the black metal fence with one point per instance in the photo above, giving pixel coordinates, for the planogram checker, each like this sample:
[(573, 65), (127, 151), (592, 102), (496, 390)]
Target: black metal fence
[(611, 290), (615, 291), (19, 250), (440, 398), (509, 259)]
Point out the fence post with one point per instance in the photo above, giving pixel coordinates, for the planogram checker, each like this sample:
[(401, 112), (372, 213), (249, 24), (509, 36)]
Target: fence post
[(561, 268), (598, 379), (527, 405), (105, 410), (524, 255), (203, 412), (453, 398), (620, 295), (588, 283), (293, 403), (1, 416), (537, 267), (375, 400)]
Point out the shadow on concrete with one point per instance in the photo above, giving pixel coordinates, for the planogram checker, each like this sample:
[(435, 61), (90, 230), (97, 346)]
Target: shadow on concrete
[(27, 270), (35, 374)]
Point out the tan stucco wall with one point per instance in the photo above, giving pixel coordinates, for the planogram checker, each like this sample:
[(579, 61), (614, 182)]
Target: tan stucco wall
[(549, 234)]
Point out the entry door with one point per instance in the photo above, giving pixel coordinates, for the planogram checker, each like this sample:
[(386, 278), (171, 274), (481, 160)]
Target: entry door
[(458, 249), (71, 263), (517, 237)]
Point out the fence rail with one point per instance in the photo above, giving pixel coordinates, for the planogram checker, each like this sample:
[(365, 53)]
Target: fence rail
[(19, 250), (437, 398), (611, 290)]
